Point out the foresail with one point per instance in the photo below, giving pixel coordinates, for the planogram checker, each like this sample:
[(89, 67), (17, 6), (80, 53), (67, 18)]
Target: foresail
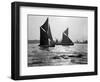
[(51, 42), (49, 33)]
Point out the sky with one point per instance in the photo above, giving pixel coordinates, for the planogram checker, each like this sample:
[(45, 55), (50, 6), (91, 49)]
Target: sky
[(78, 27)]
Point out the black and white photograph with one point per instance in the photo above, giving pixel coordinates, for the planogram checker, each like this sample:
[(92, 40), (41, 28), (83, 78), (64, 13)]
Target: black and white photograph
[(53, 40), (57, 40)]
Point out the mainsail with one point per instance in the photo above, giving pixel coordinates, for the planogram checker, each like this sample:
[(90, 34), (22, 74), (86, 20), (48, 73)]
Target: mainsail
[(46, 39), (66, 40)]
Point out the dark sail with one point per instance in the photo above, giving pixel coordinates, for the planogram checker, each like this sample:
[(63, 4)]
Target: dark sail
[(66, 40), (43, 34), (46, 39)]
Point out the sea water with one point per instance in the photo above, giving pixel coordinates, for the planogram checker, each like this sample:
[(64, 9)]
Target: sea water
[(58, 55)]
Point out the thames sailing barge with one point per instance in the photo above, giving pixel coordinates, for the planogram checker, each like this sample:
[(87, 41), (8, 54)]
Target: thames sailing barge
[(46, 39), (65, 39)]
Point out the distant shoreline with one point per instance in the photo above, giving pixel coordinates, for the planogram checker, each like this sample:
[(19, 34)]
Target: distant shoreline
[(33, 41), (38, 41)]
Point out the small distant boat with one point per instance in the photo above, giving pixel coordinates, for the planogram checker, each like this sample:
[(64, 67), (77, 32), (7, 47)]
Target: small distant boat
[(65, 39), (46, 39)]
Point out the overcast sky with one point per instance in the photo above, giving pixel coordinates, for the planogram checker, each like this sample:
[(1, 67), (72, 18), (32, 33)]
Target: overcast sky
[(78, 27)]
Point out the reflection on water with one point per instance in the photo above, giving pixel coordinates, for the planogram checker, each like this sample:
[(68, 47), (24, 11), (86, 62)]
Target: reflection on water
[(58, 55)]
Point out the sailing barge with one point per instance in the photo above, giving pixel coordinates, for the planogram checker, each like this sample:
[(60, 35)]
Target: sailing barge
[(46, 39), (66, 40)]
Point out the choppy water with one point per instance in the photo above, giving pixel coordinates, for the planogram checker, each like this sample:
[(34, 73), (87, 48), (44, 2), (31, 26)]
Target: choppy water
[(58, 55)]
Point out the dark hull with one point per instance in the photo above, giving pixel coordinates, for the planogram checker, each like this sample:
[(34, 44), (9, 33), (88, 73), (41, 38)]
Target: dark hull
[(65, 44), (53, 45), (46, 46)]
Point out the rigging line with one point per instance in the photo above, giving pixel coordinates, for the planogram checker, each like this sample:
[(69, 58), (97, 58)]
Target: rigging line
[(42, 29), (65, 34)]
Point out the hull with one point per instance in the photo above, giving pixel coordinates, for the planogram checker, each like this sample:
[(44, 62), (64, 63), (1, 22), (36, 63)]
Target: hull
[(46, 46), (65, 44)]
